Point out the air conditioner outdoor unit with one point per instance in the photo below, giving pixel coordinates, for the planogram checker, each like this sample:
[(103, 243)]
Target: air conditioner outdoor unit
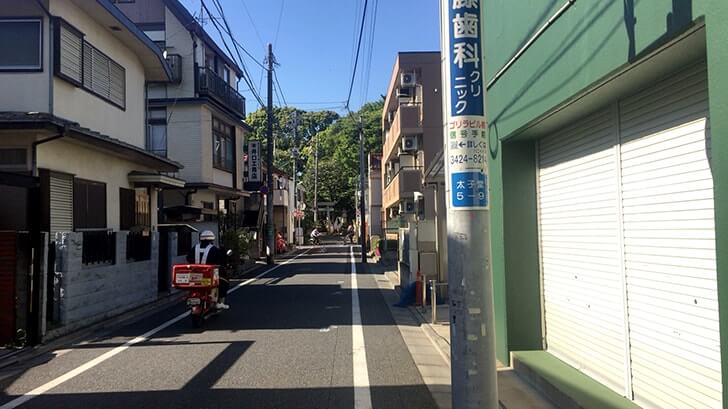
[(407, 206), (407, 80), (410, 143)]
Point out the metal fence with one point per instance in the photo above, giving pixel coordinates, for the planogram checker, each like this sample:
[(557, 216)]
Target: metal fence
[(138, 246), (99, 247)]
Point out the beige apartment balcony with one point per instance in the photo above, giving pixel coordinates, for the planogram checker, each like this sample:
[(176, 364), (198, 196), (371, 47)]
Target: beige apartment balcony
[(403, 185), (280, 197), (407, 121)]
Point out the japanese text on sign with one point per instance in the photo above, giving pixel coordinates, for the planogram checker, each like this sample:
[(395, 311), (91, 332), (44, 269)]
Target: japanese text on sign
[(254, 174), (466, 140), (466, 71)]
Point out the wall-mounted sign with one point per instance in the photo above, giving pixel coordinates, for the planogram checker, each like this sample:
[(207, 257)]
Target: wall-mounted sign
[(465, 142), (254, 171)]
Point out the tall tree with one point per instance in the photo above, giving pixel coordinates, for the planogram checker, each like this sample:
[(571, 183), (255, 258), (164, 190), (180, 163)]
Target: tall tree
[(338, 150)]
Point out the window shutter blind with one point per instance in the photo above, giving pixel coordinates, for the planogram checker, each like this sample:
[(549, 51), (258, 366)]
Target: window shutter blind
[(70, 51)]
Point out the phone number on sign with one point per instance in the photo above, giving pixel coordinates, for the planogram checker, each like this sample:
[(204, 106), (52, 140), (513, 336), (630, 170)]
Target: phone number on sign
[(477, 158)]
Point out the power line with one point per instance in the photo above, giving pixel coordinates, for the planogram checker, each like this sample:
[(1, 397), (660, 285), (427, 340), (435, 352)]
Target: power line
[(230, 34), (280, 18), (358, 48), (275, 76), (252, 23), (219, 31), (247, 77), (368, 65)]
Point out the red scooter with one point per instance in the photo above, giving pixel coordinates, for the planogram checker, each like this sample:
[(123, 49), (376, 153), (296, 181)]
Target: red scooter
[(201, 281)]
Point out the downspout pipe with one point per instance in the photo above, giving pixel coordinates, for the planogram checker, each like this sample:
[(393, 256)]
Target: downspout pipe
[(40, 142), (530, 42), (50, 55)]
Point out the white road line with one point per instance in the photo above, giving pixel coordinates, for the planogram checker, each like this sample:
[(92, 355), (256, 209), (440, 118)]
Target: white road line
[(362, 392), (105, 356)]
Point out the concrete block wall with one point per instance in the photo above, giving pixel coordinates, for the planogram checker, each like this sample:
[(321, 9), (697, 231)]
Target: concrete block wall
[(93, 293)]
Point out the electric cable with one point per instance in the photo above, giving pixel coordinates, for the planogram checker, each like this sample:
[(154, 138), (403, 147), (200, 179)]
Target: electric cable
[(356, 59)]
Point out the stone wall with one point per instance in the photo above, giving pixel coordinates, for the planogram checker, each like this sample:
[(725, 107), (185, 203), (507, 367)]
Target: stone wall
[(93, 293)]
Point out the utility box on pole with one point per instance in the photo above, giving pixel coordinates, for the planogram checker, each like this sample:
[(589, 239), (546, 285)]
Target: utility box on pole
[(466, 150)]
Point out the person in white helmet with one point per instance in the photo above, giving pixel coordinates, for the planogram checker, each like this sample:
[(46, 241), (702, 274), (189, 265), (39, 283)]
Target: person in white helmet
[(207, 253)]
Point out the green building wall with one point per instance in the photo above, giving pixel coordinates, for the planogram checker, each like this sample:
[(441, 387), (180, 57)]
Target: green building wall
[(593, 40)]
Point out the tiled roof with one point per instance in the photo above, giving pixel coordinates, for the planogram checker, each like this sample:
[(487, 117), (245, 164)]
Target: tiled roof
[(35, 119)]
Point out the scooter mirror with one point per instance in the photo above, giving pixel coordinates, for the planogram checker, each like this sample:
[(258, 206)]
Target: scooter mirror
[(229, 253)]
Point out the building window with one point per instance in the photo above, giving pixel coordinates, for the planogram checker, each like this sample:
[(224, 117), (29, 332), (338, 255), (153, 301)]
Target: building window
[(21, 44), (103, 76), (89, 204), (134, 209), (223, 145), (157, 131), (13, 157), (68, 53)]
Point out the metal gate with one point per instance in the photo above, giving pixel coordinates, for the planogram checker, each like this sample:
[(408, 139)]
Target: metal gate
[(8, 251)]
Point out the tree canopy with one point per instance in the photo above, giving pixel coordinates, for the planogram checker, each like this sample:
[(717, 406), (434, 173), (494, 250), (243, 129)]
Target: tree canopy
[(337, 139)]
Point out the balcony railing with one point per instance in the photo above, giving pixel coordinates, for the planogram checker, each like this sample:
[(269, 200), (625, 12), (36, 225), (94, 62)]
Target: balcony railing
[(407, 121), (175, 63), (214, 86), (403, 185)]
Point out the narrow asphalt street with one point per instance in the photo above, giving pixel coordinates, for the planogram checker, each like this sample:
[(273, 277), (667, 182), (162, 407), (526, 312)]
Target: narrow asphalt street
[(310, 333)]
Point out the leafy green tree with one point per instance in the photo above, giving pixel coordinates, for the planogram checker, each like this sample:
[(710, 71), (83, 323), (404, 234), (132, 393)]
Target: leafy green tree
[(338, 152), (309, 124)]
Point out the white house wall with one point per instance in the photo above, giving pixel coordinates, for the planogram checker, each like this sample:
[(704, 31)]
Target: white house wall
[(75, 103), (179, 41), (183, 139)]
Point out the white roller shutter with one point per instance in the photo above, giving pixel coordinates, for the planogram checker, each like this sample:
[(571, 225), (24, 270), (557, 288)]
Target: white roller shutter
[(669, 238), (580, 249), (61, 203)]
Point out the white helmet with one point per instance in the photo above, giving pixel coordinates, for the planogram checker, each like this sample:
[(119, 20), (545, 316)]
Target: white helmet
[(207, 235)]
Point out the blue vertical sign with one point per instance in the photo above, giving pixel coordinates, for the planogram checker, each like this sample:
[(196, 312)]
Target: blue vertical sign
[(466, 140)]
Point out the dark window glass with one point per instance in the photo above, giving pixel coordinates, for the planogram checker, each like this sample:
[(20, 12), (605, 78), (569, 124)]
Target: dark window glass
[(13, 157), (223, 152), (157, 131), (89, 204), (20, 44)]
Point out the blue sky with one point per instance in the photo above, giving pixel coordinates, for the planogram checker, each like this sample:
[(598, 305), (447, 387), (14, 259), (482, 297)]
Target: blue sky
[(316, 40)]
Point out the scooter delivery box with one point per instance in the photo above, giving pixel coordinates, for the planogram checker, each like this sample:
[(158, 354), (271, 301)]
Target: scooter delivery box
[(187, 276)]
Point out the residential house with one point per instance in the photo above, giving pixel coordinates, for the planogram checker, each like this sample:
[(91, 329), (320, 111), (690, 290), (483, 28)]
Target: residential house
[(412, 124), (74, 171), (198, 119), (609, 186)]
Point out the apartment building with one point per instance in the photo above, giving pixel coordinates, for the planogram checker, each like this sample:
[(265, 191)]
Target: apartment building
[(609, 207), (79, 187), (198, 118), (412, 125)]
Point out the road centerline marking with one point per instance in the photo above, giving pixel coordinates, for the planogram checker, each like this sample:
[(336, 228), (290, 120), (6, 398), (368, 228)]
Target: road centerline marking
[(362, 391), (109, 354)]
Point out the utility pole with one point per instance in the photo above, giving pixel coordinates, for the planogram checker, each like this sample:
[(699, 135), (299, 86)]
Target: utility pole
[(294, 154), (470, 276), (362, 205), (315, 180), (270, 233)]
